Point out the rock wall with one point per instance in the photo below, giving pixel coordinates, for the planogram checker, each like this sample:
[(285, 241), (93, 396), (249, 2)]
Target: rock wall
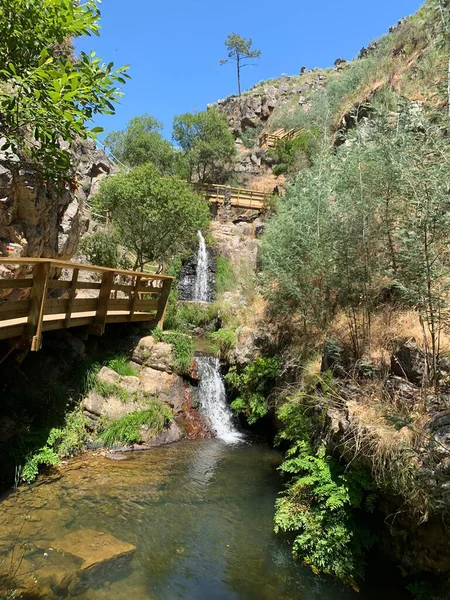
[(39, 218)]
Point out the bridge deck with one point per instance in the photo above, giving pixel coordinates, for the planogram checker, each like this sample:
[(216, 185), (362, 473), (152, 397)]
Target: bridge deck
[(239, 197), (144, 299)]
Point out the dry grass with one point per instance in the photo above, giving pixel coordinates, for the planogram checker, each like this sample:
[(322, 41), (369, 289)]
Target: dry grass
[(389, 327)]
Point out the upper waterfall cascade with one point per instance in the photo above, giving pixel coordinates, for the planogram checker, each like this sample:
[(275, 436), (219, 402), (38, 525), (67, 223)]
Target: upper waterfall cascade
[(201, 281)]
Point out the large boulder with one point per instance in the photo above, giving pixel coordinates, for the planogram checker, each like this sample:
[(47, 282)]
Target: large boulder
[(409, 362), (111, 408), (157, 355), (167, 386)]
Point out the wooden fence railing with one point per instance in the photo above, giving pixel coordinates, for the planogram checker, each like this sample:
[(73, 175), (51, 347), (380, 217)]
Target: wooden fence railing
[(269, 140), (239, 197), (47, 303)]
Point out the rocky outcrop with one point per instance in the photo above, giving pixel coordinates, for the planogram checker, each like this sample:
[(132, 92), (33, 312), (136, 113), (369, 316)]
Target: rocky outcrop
[(256, 106), (116, 396), (388, 427), (39, 218)]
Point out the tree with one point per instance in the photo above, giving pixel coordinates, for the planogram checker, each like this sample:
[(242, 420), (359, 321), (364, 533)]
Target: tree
[(141, 142), (156, 217), (240, 50), (207, 145), (46, 95)]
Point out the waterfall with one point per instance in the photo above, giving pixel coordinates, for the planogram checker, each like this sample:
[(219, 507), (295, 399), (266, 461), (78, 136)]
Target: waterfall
[(213, 401), (201, 279)]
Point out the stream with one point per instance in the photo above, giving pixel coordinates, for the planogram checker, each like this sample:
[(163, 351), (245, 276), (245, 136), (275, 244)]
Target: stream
[(199, 513)]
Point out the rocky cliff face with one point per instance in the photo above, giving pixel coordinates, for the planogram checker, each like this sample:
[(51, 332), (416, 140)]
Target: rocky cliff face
[(251, 115), (39, 218)]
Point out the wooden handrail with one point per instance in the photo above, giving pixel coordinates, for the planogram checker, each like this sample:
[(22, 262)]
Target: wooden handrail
[(28, 318), (61, 264), (240, 197)]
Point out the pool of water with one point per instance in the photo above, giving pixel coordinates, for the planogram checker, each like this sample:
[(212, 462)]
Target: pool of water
[(199, 513)]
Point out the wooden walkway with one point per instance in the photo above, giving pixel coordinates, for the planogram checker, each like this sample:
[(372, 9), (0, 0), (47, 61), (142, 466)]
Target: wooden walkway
[(47, 303), (269, 140), (239, 197)]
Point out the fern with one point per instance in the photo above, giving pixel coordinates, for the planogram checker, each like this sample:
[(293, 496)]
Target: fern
[(254, 385), (320, 504)]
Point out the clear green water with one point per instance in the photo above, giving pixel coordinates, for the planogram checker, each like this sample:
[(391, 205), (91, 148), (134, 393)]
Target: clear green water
[(199, 513)]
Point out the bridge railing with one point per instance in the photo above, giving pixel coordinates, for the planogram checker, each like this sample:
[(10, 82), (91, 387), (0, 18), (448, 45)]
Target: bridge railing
[(46, 303), (269, 140), (239, 197)]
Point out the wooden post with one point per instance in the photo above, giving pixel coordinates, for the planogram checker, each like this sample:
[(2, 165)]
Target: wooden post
[(37, 301), (162, 302), (72, 293), (103, 301), (134, 297)]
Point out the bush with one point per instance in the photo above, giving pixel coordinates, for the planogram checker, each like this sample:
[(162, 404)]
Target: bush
[(101, 249), (63, 443), (293, 154), (128, 429), (250, 136), (253, 385), (321, 504), (222, 341)]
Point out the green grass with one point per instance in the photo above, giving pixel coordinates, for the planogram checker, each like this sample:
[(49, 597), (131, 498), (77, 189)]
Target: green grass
[(183, 348), (225, 276), (128, 429), (121, 365), (94, 383)]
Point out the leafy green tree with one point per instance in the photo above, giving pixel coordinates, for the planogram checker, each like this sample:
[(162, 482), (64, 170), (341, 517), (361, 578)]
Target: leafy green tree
[(141, 142), (207, 145), (156, 217), (373, 214), (47, 95), (240, 50), (101, 249)]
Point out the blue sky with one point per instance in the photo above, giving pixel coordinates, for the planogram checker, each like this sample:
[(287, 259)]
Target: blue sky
[(174, 46)]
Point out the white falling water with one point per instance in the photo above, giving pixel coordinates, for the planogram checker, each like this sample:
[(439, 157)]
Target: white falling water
[(201, 279), (213, 401)]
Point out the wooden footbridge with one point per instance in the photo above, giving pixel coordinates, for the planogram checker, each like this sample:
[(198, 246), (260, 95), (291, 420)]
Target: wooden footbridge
[(269, 140), (234, 196), (38, 302)]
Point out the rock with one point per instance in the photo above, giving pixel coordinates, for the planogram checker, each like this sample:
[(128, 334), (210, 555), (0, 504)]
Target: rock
[(157, 355), (167, 386), (444, 364), (130, 384), (108, 376), (40, 218), (439, 428), (171, 435), (401, 391), (93, 547), (409, 362), (112, 408)]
